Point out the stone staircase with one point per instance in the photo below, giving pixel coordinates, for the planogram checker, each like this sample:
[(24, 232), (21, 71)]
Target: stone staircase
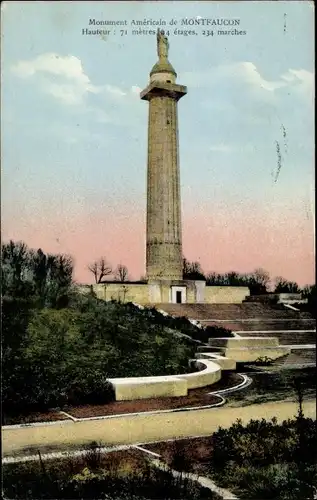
[(255, 319), (245, 310), (299, 337), (262, 324), (245, 349)]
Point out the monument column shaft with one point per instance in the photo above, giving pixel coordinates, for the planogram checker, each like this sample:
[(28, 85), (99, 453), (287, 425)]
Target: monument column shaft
[(163, 244)]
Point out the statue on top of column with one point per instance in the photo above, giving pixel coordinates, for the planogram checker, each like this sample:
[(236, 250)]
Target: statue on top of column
[(162, 44)]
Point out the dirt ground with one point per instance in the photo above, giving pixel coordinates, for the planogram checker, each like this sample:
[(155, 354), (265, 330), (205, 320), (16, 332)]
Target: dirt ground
[(48, 416), (195, 397), (195, 452)]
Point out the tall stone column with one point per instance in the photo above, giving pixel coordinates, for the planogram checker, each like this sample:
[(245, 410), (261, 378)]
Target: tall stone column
[(163, 227)]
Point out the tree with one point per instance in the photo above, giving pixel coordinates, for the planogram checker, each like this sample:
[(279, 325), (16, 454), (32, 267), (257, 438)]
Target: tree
[(192, 270), (59, 279), (214, 279), (33, 275), (309, 293), (284, 286), (15, 263), (100, 269), (121, 273), (52, 276), (258, 281), (228, 279)]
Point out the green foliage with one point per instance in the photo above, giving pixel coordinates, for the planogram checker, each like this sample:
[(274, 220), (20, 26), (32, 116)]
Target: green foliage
[(142, 347), (59, 347), (309, 293), (263, 459), (33, 275), (91, 479), (271, 482), (16, 315), (53, 366), (184, 326), (263, 361), (258, 281), (59, 357)]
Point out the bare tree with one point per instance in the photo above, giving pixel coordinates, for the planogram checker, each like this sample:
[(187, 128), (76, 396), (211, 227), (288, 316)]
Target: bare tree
[(192, 270), (100, 268), (122, 273), (258, 281), (284, 286)]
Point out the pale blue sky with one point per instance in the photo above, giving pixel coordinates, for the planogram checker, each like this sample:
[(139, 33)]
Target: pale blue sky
[(74, 133)]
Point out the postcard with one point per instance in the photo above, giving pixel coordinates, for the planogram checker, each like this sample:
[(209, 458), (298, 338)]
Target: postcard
[(158, 265)]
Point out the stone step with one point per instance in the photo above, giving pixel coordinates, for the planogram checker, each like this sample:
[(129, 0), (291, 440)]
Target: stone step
[(252, 354), (232, 312), (285, 337), (259, 324), (244, 342)]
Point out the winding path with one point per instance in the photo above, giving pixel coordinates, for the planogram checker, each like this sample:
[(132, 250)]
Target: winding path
[(140, 428)]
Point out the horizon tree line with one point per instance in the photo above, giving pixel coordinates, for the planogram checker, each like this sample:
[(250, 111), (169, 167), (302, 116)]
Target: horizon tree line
[(49, 276)]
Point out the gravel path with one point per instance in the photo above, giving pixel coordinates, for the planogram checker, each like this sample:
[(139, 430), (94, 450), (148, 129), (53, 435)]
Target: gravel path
[(142, 427)]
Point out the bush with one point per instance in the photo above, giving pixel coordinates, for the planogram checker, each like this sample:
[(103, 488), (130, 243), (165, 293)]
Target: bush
[(278, 481), (266, 460), (65, 357), (91, 479), (263, 361)]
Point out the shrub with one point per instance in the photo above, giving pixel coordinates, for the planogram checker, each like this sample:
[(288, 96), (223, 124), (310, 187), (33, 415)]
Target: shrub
[(263, 361), (65, 357), (262, 459), (90, 479)]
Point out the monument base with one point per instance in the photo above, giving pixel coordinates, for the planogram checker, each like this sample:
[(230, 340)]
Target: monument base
[(167, 292)]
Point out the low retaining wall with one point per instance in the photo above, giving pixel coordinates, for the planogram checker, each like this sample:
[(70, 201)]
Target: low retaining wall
[(249, 355), (248, 349), (224, 362), (148, 387), (174, 385), (230, 351), (206, 376)]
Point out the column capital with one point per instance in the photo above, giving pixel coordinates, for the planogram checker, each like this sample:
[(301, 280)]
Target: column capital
[(155, 89)]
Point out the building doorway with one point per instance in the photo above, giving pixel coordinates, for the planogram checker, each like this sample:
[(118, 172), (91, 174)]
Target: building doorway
[(178, 295)]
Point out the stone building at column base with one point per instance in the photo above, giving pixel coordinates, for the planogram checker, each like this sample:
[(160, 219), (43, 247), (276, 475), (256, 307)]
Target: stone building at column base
[(165, 292)]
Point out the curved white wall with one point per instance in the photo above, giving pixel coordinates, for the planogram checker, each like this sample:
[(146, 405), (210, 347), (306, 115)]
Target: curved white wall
[(174, 385)]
